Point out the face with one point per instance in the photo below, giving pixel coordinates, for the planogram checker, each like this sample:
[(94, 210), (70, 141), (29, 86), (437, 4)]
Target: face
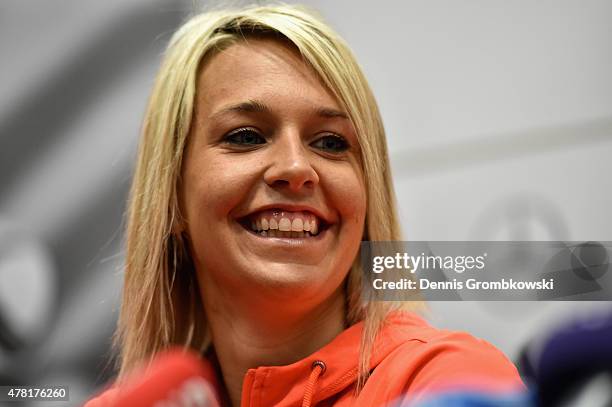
[(272, 188)]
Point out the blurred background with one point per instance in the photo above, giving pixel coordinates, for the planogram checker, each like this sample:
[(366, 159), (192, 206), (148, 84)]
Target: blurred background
[(498, 116)]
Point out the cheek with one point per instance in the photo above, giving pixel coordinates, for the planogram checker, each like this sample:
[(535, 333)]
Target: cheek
[(215, 184), (347, 192)]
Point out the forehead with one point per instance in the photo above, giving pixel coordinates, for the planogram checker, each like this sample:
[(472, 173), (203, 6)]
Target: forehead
[(260, 69)]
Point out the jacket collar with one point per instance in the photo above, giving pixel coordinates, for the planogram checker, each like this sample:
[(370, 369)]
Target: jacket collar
[(286, 385)]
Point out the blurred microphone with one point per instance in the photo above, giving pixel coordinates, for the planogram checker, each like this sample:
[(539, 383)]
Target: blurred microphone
[(564, 361), (174, 379), (475, 399)]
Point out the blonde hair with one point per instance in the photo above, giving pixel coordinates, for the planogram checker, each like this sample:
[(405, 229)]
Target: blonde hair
[(161, 303)]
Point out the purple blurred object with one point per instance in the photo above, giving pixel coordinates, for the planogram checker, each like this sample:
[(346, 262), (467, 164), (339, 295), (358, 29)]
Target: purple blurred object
[(563, 362)]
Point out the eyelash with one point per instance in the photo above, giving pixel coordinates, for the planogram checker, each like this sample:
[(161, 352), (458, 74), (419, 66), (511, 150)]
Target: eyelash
[(236, 137), (341, 142)]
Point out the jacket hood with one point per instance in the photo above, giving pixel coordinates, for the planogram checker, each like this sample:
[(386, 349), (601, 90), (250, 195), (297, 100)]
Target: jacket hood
[(288, 385)]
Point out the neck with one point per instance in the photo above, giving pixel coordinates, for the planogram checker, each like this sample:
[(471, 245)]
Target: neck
[(247, 336)]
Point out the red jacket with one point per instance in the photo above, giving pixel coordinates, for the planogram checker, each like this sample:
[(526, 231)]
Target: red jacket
[(410, 360)]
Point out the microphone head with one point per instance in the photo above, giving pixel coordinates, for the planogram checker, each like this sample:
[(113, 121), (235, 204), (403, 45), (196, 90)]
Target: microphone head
[(175, 378)]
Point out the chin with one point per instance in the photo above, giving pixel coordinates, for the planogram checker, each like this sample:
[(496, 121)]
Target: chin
[(291, 280)]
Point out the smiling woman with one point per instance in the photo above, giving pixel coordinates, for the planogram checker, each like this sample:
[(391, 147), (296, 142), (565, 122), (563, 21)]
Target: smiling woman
[(263, 165)]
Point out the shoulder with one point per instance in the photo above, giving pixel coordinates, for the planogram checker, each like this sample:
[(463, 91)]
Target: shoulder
[(427, 359), (456, 359)]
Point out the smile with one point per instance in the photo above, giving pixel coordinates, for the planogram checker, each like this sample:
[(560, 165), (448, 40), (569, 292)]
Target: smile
[(284, 224)]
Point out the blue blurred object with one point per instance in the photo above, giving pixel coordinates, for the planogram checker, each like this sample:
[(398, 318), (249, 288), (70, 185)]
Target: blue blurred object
[(475, 399), (561, 364)]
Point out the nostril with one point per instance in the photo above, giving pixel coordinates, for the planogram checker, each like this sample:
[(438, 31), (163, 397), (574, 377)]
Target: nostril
[(293, 175), (280, 183), (295, 183)]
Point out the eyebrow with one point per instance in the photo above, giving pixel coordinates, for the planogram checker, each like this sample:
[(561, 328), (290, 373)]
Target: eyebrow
[(254, 106)]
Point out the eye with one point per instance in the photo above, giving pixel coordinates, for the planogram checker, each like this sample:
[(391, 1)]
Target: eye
[(245, 137), (331, 143)]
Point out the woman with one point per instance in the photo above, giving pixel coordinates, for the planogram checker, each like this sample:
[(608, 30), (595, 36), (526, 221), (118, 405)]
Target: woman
[(262, 166)]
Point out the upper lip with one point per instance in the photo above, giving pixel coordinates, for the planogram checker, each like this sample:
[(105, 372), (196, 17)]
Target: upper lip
[(290, 207)]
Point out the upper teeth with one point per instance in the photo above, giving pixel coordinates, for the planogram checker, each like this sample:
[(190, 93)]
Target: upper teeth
[(285, 221)]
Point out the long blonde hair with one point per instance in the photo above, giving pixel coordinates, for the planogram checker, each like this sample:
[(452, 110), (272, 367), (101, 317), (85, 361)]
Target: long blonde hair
[(161, 302)]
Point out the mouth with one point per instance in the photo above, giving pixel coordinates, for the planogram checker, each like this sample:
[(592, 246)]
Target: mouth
[(282, 223)]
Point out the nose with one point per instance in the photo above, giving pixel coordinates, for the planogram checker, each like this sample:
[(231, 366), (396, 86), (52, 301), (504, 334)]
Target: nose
[(290, 166)]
